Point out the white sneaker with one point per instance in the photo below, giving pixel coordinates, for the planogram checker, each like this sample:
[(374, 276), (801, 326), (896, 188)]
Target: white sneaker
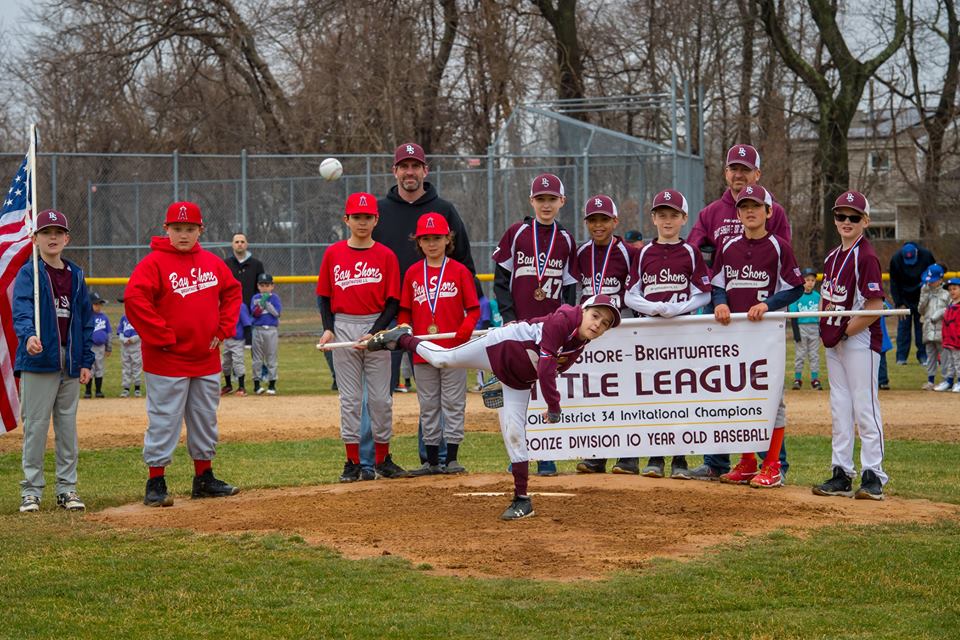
[(956, 388), (30, 504), (943, 386)]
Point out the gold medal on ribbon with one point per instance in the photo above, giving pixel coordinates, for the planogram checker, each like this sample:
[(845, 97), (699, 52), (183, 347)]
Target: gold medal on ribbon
[(433, 329), (539, 294)]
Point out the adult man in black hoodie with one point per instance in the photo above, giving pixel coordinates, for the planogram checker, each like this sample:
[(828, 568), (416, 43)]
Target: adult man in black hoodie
[(412, 197), (246, 269), (906, 272)]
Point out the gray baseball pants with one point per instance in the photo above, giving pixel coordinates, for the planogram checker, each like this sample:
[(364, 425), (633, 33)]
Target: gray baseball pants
[(232, 358), (934, 354), (356, 368), (808, 349), (98, 369), (265, 351), (950, 364), (131, 364), (44, 396), (170, 402), (441, 393)]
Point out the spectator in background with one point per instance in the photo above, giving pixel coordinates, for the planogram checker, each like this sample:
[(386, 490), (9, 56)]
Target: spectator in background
[(906, 272), (246, 269), (633, 238)]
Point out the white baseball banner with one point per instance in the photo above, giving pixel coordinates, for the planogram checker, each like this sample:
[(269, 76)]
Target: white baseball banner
[(662, 387)]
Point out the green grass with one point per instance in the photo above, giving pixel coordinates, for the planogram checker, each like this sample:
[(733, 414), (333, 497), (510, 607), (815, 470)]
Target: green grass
[(68, 578)]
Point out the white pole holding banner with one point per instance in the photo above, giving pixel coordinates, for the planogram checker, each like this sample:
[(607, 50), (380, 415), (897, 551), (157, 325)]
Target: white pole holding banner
[(32, 167), (704, 317)]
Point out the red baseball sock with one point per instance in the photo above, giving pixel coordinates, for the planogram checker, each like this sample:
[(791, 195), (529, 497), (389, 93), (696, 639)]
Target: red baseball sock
[(776, 443), (748, 459), (157, 472), (353, 451), (521, 475), (200, 466), (380, 451)]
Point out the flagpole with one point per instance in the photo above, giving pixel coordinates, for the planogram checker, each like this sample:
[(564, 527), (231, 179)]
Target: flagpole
[(32, 167)]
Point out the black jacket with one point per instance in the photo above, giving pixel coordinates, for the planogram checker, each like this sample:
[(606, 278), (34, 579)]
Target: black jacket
[(398, 223), (246, 273), (905, 279)]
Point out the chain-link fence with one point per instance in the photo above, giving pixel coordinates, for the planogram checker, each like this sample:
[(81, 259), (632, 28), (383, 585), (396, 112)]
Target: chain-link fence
[(116, 202)]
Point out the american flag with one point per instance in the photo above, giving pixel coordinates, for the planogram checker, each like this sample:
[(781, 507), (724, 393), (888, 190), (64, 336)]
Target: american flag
[(14, 251)]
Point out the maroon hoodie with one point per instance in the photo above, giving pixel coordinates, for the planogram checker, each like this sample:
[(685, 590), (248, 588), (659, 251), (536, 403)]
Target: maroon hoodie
[(178, 301)]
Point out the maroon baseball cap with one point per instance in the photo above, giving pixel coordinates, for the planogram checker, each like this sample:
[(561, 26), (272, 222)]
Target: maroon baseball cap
[(670, 198), (432, 224), (188, 212), (361, 202), (603, 300), (853, 200), (546, 183), (600, 204), (409, 151), (743, 154), (51, 218), (756, 193)]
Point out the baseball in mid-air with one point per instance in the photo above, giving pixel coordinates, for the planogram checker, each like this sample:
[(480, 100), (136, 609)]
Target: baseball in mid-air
[(331, 169)]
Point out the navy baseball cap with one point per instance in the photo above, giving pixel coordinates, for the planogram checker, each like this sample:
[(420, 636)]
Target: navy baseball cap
[(264, 278), (951, 281), (809, 271), (96, 298), (909, 252)]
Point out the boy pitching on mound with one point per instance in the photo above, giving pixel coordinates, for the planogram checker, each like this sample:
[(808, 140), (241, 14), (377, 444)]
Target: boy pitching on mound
[(520, 354)]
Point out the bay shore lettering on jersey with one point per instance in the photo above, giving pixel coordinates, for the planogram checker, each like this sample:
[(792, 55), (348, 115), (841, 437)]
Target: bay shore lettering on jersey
[(196, 280), (448, 289), (360, 273)]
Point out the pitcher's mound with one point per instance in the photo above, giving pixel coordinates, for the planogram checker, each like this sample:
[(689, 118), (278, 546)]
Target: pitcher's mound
[(608, 523)]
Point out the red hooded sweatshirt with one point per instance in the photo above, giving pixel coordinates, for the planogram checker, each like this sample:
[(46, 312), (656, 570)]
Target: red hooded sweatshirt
[(178, 301)]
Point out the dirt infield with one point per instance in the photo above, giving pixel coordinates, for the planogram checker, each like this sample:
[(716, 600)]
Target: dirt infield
[(607, 523), (116, 422)]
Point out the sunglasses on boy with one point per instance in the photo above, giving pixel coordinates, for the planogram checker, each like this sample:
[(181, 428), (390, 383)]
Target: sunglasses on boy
[(853, 217)]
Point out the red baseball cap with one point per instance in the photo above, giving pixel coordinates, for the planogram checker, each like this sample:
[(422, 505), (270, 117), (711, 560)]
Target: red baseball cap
[(51, 218), (432, 224), (670, 198), (546, 183), (409, 151), (756, 193), (361, 202), (603, 300), (853, 200), (188, 212), (600, 204), (743, 154)]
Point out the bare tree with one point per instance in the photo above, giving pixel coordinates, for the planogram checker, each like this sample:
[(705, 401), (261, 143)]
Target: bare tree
[(562, 17), (838, 93)]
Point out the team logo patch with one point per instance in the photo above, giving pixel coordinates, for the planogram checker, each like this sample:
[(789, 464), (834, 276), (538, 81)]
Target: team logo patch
[(667, 196), (796, 271), (749, 190), (597, 202), (706, 280), (430, 224), (53, 217), (183, 213), (410, 149), (873, 286), (849, 197), (363, 201), (742, 152), (545, 182)]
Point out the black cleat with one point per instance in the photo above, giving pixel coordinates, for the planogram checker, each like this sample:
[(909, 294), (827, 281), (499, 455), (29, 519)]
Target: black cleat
[(654, 468), (595, 465), (519, 508), (207, 486), (870, 487), (679, 469), (630, 466), (156, 494), (388, 339), (426, 469), (838, 485), (389, 469), (351, 472)]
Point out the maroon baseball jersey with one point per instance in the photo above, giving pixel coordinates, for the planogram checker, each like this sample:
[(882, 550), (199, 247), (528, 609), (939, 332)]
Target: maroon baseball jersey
[(850, 278), (516, 254), (753, 270), (454, 296), (718, 222), (358, 281), (670, 272), (523, 353), (610, 270)]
